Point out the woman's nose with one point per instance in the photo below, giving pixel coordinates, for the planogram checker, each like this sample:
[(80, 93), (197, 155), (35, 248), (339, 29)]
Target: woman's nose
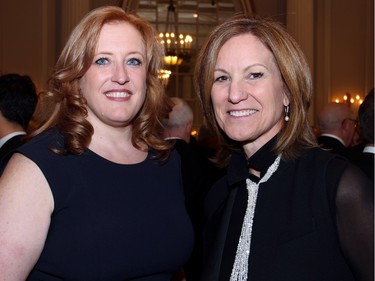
[(237, 92), (120, 74)]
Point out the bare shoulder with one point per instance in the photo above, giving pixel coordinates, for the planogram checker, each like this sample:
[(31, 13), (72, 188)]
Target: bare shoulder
[(26, 204), (24, 176)]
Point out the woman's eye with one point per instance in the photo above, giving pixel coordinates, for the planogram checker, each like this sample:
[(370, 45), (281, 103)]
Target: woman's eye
[(101, 61), (256, 75), (134, 61), (221, 79)]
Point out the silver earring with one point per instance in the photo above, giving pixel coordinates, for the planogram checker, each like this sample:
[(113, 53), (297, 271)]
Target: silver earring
[(286, 118)]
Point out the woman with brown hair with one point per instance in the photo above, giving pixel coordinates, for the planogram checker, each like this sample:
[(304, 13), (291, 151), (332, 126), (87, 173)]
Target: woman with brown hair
[(286, 210)]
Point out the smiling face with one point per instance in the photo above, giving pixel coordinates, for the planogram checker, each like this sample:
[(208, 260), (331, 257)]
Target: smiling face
[(247, 94), (115, 83)]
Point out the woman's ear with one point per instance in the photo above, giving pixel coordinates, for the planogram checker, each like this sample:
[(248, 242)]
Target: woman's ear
[(286, 101)]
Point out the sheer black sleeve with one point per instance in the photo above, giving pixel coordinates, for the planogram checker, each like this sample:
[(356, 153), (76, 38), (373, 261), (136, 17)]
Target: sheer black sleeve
[(355, 222)]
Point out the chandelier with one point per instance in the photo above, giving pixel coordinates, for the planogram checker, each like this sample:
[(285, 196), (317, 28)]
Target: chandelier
[(176, 45), (163, 75)]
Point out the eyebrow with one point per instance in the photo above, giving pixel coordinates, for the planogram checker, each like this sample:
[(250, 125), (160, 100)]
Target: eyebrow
[(138, 53), (129, 54), (246, 68)]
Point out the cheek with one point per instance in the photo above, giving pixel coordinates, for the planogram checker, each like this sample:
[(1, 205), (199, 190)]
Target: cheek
[(219, 101), (216, 99), (139, 81), (278, 107), (140, 74), (277, 102), (88, 82), (83, 86), (143, 96), (216, 104), (219, 115)]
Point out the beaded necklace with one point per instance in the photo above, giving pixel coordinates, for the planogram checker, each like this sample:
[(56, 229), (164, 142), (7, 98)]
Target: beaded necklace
[(241, 261)]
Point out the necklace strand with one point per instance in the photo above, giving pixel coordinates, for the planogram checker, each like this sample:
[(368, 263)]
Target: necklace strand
[(241, 261)]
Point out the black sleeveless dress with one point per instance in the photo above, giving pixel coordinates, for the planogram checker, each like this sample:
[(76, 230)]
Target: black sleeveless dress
[(110, 221)]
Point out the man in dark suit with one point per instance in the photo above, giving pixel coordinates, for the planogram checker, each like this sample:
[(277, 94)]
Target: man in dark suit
[(337, 124), (198, 173), (365, 158), (18, 99), (178, 128)]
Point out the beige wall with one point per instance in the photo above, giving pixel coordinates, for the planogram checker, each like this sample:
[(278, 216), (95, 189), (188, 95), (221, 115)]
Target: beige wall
[(27, 38), (336, 35), (344, 49)]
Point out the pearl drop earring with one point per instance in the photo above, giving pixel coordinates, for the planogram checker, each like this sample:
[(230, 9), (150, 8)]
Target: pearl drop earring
[(286, 113)]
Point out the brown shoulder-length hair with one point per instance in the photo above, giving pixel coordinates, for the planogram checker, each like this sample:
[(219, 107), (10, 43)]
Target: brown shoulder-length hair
[(64, 104), (294, 70)]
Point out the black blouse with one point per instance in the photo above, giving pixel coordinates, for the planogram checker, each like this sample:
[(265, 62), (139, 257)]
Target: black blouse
[(313, 219)]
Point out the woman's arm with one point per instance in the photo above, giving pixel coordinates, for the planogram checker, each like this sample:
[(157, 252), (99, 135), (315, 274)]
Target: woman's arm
[(355, 222), (26, 204)]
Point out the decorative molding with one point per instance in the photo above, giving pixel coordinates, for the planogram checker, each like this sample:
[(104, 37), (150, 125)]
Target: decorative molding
[(129, 5), (72, 12), (247, 7), (300, 24)]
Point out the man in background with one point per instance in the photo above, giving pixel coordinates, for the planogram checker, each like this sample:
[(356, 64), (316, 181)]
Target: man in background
[(337, 125), (365, 158), (177, 128), (198, 173), (18, 99), (180, 121)]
